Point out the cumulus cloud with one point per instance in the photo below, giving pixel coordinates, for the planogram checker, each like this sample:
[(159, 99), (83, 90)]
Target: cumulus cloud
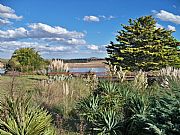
[(172, 28), (40, 30), (107, 17), (159, 26), (169, 27), (10, 46), (93, 47), (96, 48), (71, 41), (4, 22), (91, 18), (97, 18), (8, 13), (167, 16), (43, 37), (44, 32), (17, 33), (74, 41)]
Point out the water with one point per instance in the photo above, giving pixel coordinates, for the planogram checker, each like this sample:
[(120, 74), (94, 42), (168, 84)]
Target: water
[(87, 69), (2, 70)]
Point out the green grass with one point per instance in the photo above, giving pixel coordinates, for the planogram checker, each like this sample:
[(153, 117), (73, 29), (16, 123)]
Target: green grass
[(58, 97)]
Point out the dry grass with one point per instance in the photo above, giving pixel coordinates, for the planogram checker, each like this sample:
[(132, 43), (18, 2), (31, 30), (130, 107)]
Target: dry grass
[(92, 64), (62, 94), (23, 83), (59, 97)]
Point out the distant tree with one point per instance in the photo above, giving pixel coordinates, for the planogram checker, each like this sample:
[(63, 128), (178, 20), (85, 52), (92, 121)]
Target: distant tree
[(26, 59), (141, 45)]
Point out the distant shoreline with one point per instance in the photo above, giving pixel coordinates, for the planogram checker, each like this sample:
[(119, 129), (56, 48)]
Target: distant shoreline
[(92, 64)]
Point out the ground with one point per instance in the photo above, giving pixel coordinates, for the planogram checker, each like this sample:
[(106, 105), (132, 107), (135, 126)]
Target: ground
[(92, 64)]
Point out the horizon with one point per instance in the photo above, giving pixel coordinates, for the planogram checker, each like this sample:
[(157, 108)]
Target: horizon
[(76, 29)]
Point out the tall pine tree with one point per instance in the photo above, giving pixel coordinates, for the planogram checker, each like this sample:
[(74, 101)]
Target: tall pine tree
[(141, 45)]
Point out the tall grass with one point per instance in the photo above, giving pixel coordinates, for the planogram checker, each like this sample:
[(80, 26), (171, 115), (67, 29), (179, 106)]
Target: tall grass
[(89, 106), (58, 65)]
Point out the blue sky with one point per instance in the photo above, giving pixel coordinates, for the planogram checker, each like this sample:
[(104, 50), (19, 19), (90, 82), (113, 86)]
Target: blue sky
[(76, 28)]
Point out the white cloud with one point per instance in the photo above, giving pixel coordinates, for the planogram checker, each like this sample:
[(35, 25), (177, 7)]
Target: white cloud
[(167, 16), (111, 17), (91, 18), (10, 46), (159, 26), (44, 32), (13, 34), (172, 28), (49, 50), (97, 18), (40, 30), (8, 13), (71, 41), (5, 9), (74, 41), (93, 47), (4, 22), (107, 17)]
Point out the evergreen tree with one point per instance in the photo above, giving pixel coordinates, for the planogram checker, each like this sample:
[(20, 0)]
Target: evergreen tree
[(141, 45)]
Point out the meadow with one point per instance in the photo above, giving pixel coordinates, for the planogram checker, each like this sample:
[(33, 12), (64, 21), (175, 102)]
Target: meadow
[(86, 105), (42, 97)]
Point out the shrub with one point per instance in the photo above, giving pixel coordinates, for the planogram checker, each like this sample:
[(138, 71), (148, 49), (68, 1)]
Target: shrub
[(19, 117)]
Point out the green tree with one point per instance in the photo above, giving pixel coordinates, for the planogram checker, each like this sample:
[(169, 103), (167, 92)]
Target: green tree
[(141, 45), (26, 59)]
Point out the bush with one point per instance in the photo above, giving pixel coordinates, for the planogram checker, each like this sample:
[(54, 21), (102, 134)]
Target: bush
[(26, 60), (126, 109), (19, 117)]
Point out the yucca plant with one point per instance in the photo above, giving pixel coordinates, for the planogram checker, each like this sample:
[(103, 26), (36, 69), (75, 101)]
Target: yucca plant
[(166, 113), (136, 110), (108, 122), (102, 110), (19, 117)]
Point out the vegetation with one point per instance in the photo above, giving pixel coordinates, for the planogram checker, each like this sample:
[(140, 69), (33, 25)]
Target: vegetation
[(79, 105), (58, 65), (116, 109), (25, 60), (141, 45), (19, 117), (57, 96), (84, 106)]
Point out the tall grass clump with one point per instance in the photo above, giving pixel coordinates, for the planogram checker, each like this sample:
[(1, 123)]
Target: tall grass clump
[(19, 117), (58, 65)]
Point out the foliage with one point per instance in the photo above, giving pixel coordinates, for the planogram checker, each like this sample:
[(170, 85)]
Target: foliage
[(25, 60), (141, 45), (102, 109), (19, 117), (130, 110)]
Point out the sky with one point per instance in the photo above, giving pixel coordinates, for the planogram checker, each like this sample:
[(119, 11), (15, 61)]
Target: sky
[(76, 28)]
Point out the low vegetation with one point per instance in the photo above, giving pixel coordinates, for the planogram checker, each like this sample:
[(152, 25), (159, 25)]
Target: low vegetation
[(84, 105)]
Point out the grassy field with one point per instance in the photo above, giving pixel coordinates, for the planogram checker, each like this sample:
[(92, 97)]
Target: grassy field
[(58, 97), (92, 64)]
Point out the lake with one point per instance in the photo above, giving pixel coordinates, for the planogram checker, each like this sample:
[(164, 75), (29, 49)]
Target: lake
[(87, 69), (2, 70)]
